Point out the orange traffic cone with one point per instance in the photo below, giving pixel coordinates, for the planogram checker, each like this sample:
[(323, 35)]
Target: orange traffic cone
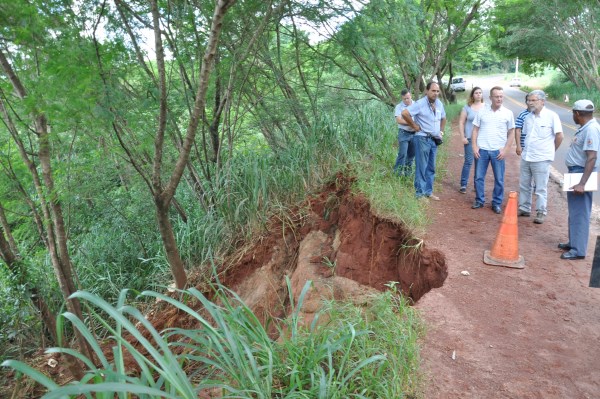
[(505, 251)]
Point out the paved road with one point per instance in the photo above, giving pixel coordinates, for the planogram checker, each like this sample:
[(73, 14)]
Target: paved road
[(514, 100)]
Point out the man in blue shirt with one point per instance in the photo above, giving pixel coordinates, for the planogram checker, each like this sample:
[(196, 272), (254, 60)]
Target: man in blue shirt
[(427, 118), (406, 147)]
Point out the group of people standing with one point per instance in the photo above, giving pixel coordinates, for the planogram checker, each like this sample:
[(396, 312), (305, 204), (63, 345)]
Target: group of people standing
[(487, 133)]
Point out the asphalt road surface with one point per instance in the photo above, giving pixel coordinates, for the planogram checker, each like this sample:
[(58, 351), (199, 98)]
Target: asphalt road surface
[(514, 100)]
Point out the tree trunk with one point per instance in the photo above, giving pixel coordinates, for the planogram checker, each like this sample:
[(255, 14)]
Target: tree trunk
[(8, 256), (163, 197), (4, 225), (168, 238), (59, 251)]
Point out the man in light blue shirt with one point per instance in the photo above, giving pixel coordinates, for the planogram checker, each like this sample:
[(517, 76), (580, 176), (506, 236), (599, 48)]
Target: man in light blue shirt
[(427, 118), (582, 158), (406, 147)]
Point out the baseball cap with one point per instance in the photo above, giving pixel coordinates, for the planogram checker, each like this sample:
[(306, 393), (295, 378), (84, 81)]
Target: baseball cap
[(583, 105)]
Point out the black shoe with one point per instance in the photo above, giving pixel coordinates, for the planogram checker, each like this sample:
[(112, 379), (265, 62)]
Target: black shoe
[(571, 256), (496, 209), (523, 213), (477, 205), (463, 190), (565, 246)]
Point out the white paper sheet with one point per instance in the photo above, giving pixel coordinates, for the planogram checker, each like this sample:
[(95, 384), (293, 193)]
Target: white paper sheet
[(572, 179)]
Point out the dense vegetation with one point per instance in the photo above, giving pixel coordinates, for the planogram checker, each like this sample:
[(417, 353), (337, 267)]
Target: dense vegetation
[(564, 35), (356, 354)]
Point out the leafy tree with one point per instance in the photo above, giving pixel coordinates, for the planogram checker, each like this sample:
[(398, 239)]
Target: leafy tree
[(23, 66), (159, 168), (394, 43), (563, 34)]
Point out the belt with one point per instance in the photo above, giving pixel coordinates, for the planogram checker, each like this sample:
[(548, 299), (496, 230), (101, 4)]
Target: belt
[(407, 131)]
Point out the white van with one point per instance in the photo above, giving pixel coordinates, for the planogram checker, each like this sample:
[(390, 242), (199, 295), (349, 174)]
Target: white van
[(458, 83)]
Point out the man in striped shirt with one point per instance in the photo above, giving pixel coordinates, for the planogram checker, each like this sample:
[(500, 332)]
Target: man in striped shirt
[(493, 134), (519, 133)]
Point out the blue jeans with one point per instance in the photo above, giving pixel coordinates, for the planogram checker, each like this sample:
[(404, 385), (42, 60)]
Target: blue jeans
[(466, 170), (580, 211), (425, 154), (486, 157), (406, 153), (539, 172)]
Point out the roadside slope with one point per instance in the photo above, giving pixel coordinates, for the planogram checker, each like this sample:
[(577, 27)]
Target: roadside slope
[(531, 333)]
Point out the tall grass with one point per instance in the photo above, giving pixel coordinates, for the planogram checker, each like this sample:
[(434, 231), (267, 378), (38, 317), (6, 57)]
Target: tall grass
[(557, 86), (392, 196), (560, 86), (358, 353), (255, 184)]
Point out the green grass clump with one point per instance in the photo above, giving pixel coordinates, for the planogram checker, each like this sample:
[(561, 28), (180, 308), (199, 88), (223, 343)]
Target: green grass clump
[(366, 352), (392, 196)]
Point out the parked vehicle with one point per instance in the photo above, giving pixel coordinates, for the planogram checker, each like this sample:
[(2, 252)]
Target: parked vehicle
[(458, 83), (515, 82)]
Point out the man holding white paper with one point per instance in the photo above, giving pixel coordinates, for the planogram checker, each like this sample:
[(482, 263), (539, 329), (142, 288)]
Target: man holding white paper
[(582, 158)]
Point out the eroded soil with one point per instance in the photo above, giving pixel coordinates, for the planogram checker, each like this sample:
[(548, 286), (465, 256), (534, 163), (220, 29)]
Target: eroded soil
[(337, 242)]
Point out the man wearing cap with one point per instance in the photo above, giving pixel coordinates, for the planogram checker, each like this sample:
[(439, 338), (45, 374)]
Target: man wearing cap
[(582, 158), (428, 123), (406, 147), (493, 134), (543, 135)]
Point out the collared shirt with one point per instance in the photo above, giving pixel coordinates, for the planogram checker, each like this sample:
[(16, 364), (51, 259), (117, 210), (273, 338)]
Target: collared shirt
[(493, 127), (422, 113), (587, 138), (540, 132), (398, 112), (519, 125)]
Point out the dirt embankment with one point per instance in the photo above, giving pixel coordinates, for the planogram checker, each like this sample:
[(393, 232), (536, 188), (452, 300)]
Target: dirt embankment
[(337, 242)]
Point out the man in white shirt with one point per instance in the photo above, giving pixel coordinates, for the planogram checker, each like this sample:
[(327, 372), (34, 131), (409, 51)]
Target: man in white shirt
[(543, 135), (493, 134)]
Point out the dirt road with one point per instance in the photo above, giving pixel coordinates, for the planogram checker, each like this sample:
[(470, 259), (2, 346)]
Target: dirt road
[(508, 333)]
